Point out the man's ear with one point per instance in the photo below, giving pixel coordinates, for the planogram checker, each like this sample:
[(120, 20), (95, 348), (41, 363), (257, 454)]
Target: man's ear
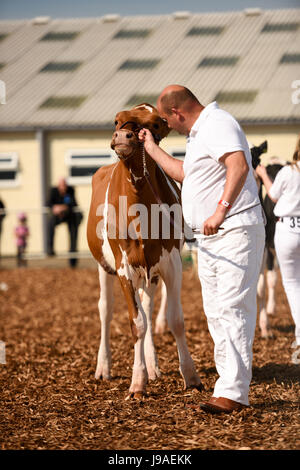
[(178, 114)]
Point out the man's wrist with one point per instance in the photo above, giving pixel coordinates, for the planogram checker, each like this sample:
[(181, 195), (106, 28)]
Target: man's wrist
[(225, 204), (151, 147), (221, 213)]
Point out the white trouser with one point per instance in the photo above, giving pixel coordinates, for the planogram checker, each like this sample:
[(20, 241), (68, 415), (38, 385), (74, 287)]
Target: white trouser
[(229, 264), (287, 246)]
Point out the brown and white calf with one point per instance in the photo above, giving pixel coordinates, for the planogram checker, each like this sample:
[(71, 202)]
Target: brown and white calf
[(124, 246)]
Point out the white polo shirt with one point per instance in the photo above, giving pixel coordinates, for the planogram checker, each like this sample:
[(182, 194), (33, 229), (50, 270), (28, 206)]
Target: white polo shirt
[(213, 134), (286, 188)]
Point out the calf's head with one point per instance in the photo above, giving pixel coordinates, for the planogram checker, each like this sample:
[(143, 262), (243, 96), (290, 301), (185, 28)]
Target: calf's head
[(125, 139)]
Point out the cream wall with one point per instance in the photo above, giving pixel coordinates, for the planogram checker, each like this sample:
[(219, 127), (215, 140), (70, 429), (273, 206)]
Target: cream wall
[(26, 195), (281, 140)]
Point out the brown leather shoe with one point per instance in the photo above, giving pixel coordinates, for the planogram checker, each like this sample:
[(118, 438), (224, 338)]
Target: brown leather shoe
[(221, 405)]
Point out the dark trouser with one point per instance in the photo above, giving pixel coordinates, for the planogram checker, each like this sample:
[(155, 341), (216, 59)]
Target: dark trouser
[(20, 259), (73, 231)]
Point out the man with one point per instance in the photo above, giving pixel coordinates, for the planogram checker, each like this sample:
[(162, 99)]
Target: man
[(62, 203), (220, 203)]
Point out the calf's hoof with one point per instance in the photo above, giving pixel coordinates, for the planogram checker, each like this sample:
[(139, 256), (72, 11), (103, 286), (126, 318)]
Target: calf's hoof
[(135, 396), (199, 387), (153, 373), (160, 328), (266, 334), (102, 374), (103, 377)]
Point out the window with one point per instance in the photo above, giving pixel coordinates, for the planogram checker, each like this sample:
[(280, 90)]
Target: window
[(8, 170), (247, 96), (220, 61), (205, 31), (279, 27), (132, 34), (177, 153), (59, 36), (82, 164), (290, 59), (139, 64), (61, 66), (63, 102)]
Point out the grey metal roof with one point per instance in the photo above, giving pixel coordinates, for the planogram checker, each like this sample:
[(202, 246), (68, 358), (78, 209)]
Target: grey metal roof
[(104, 87)]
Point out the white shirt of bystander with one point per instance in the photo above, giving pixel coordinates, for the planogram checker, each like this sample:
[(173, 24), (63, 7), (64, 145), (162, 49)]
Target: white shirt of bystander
[(286, 188)]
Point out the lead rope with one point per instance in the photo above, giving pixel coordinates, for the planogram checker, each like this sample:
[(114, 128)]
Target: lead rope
[(146, 175), (146, 172)]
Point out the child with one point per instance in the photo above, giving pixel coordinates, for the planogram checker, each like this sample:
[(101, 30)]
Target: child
[(21, 232)]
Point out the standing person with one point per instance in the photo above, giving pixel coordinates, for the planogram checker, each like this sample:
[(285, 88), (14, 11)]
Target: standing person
[(218, 192), (62, 203), (285, 192), (21, 233)]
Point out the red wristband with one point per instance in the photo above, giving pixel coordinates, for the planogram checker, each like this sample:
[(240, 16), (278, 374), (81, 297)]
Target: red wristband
[(225, 204)]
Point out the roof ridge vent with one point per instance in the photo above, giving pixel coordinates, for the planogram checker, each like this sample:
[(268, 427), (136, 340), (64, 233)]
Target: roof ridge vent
[(181, 15), (111, 18), (40, 20), (253, 11)]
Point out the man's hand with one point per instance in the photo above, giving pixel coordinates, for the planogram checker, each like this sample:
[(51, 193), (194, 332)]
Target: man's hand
[(261, 171), (172, 166), (212, 224), (59, 209), (146, 137)]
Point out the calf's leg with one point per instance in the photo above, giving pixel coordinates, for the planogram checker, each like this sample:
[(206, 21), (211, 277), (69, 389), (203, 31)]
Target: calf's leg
[(261, 301), (147, 299), (171, 272), (105, 306), (138, 323), (161, 319)]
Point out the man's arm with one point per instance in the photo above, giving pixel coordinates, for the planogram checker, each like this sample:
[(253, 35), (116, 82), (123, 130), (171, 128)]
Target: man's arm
[(268, 183), (172, 166), (51, 200), (236, 173), (71, 193)]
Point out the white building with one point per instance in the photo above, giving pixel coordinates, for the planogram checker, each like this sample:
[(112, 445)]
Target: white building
[(66, 79)]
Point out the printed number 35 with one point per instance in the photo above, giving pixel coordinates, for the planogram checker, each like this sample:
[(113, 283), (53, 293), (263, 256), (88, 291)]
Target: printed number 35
[(295, 222)]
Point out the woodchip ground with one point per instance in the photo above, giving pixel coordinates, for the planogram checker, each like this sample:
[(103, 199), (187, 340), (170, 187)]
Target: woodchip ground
[(50, 399)]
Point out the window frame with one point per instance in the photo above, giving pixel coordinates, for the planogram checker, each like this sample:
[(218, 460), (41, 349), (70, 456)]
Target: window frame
[(88, 160), (134, 33), (177, 150), (12, 165)]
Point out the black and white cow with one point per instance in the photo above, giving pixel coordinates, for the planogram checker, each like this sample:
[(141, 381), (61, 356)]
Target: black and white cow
[(266, 288)]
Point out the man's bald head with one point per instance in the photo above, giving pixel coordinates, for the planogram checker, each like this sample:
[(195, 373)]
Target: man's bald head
[(176, 97)]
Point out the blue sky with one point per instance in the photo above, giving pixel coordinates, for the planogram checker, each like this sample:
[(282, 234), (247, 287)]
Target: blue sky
[(23, 9)]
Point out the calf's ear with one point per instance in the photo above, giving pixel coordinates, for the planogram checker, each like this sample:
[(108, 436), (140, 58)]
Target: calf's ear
[(164, 129)]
